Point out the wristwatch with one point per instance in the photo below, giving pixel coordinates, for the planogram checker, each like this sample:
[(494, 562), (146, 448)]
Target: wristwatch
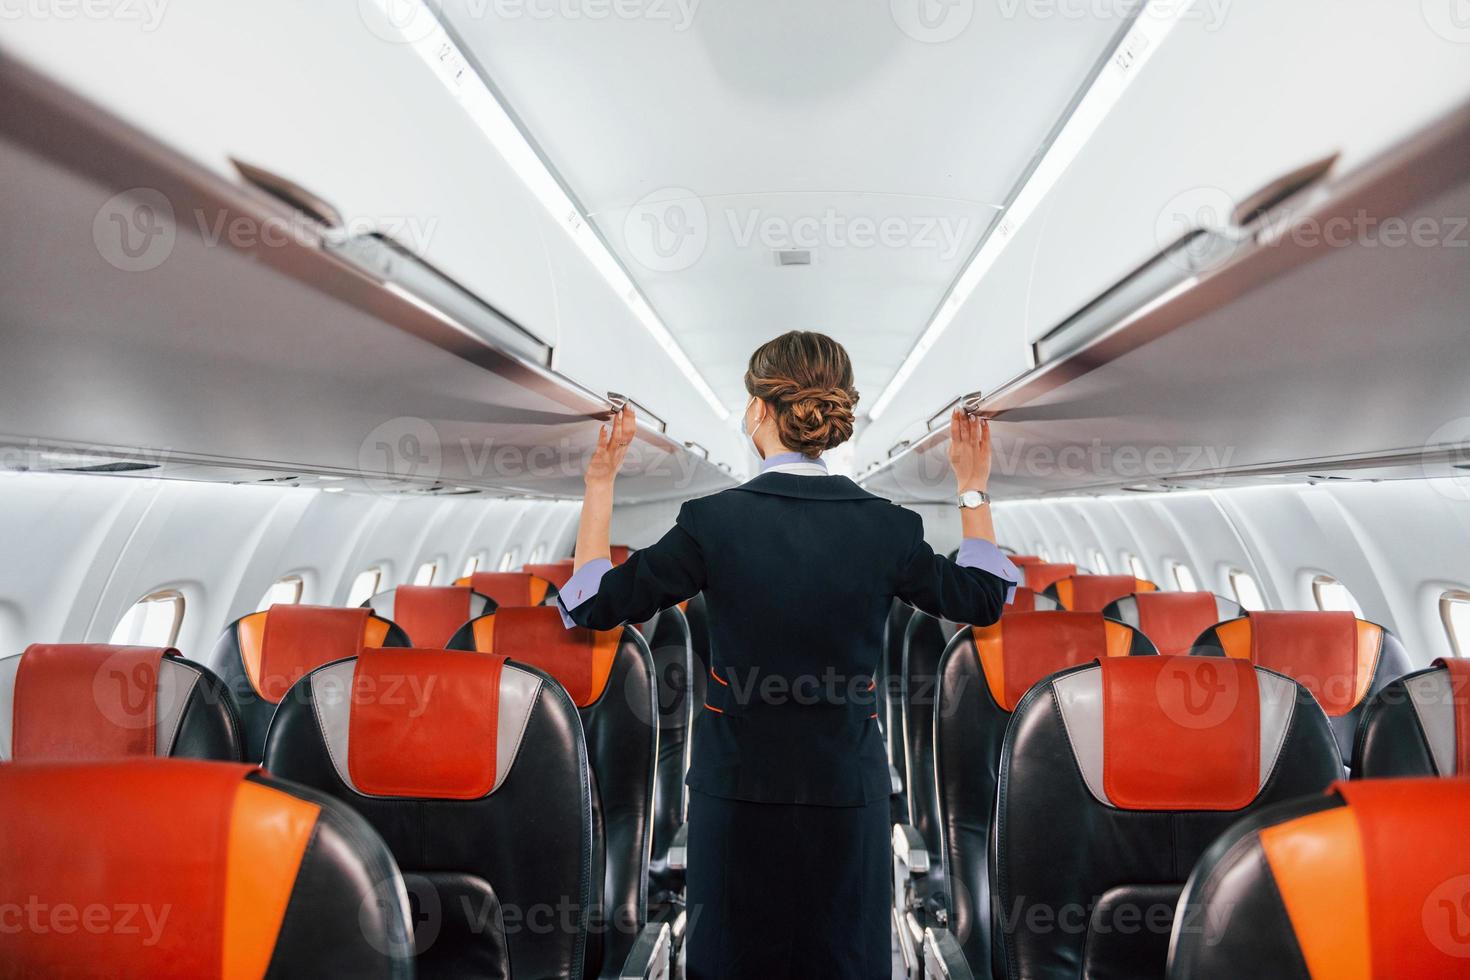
[(974, 498)]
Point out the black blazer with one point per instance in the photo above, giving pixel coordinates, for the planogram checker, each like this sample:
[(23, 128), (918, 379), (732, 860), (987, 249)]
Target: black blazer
[(798, 573)]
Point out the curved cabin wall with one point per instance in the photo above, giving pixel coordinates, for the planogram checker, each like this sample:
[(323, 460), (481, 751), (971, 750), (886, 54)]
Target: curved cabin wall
[(81, 550), (1397, 546)]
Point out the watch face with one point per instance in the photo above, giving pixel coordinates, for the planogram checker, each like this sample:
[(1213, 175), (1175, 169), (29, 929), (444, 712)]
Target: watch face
[(972, 498)]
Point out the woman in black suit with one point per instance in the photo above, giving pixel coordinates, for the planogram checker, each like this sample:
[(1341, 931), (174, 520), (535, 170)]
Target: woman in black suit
[(789, 859)]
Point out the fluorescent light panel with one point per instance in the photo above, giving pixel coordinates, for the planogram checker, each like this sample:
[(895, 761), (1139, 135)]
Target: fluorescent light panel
[(439, 51), (1138, 45)]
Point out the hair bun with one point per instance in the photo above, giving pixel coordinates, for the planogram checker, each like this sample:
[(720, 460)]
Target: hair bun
[(807, 379)]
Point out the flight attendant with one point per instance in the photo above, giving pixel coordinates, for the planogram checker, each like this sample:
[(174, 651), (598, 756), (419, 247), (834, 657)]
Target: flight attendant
[(789, 860)]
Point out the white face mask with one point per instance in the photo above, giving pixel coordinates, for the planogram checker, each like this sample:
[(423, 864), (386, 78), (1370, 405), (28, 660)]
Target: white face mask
[(748, 434)]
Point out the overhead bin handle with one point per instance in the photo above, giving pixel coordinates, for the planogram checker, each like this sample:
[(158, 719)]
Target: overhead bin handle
[(969, 403), (1256, 206), (291, 194)]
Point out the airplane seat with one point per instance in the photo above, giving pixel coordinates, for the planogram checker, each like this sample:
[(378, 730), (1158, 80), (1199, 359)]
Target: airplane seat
[(668, 639), (1024, 601), (618, 553), (430, 615), (1339, 659), (183, 869), (1040, 575), (1370, 880), (697, 616), (508, 588), (609, 676), (1093, 593), (1020, 560), (474, 770), (984, 673), (558, 573), (95, 702), (890, 702), (1138, 763), (1418, 725), (260, 656), (1173, 620), (924, 642)]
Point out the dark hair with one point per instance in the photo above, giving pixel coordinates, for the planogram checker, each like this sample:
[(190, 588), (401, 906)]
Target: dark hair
[(806, 378)]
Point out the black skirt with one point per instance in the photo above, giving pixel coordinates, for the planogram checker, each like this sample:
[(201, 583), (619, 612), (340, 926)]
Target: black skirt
[(788, 890)]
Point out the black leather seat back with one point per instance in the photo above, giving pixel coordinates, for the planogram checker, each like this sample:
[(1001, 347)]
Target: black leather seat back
[(1367, 881), (1340, 660), (474, 771), (1418, 725), (668, 639), (610, 677), (96, 702), (975, 706), (925, 638), (1114, 779)]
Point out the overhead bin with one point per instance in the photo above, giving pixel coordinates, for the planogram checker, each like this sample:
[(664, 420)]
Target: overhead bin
[(292, 361), (1287, 317)]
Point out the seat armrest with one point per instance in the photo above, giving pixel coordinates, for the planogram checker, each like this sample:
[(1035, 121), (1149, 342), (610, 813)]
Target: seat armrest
[(649, 957), (678, 856), (895, 781), (943, 958), (908, 847)]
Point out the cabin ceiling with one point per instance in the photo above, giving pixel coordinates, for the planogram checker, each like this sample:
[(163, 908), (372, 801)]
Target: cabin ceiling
[(700, 144)]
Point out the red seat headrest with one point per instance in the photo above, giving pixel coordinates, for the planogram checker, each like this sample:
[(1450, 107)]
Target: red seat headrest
[(169, 868), (1181, 733), (1092, 593), (1023, 648), (1043, 574), (1331, 654), (423, 723), (508, 588), (86, 702), (1174, 620), (557, 573), (432, 614), (580, 659), (285, 643)]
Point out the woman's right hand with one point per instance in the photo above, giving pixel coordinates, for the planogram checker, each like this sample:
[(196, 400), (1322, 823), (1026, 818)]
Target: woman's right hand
[(612, 447), (969, 451)]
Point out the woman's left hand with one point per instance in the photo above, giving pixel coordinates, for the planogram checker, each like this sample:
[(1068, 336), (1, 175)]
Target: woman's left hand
[(612, 445)]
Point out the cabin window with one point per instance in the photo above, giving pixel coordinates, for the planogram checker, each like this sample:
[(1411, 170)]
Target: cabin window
[(1247, 593), (1135, 566), (1099, 562), (471, 566), (1067, 556), (510, 560), (365, 586), (1454, 609), (425, 574), (1184, 578), (153, 621), (286, 592), (1333, 596), (538, 554), (1043, 552)]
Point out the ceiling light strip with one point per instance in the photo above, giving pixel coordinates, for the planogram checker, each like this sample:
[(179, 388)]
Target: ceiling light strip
[(1149, 29), (441, 53)]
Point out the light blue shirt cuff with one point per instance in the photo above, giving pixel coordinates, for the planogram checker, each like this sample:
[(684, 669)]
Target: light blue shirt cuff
[(581, 587), (984, 555)]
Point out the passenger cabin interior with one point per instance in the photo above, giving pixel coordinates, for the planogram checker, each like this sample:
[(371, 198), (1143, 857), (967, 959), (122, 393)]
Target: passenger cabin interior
[(310, 316)]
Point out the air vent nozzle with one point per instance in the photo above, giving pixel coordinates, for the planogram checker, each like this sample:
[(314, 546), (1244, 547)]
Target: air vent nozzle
[(794, 256)]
